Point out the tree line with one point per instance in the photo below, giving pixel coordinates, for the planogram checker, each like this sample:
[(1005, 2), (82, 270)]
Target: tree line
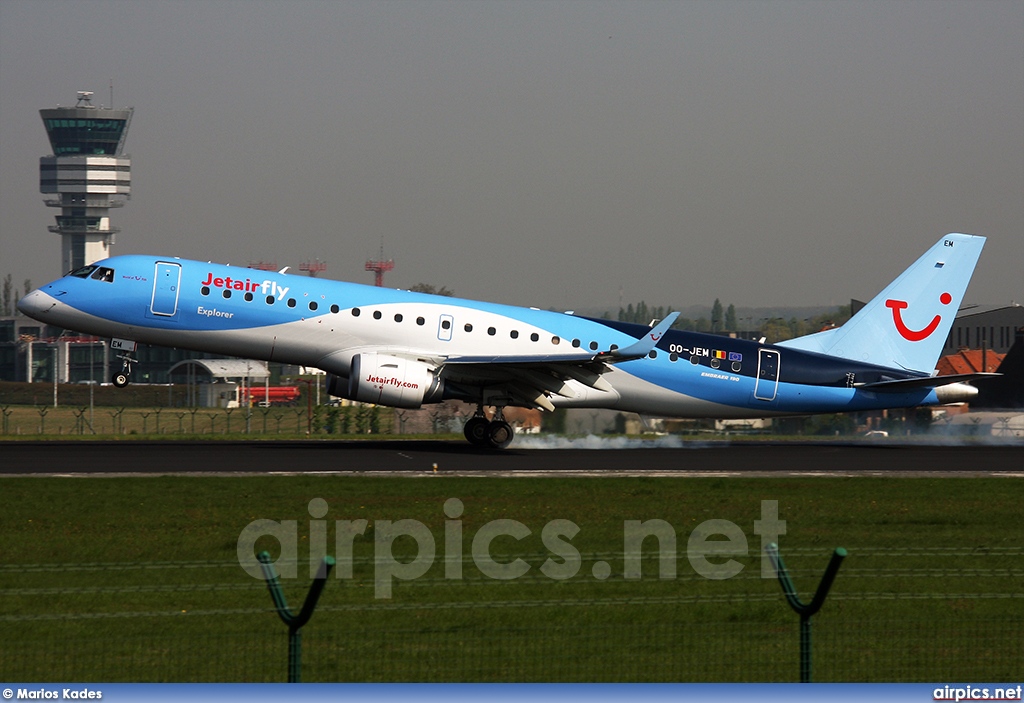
[(724, 320), (8, 297)]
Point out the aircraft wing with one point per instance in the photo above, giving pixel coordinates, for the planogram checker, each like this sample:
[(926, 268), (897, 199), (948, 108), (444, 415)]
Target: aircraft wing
[(530, 379), (637, 350)]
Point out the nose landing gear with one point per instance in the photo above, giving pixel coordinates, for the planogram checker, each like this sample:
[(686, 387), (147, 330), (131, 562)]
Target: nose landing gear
[(123, 377), (495, 433)]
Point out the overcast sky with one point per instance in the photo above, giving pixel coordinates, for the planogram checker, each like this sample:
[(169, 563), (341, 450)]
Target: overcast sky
[(541, 153)]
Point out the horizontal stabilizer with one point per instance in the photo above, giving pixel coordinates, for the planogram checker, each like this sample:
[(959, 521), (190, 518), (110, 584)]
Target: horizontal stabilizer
[(906, 384)]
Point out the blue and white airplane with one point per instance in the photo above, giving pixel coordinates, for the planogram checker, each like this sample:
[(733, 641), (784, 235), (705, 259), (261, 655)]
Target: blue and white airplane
[(405, 349)]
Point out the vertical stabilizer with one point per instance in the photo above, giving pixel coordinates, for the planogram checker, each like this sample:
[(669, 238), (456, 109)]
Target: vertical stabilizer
[(905, 326)]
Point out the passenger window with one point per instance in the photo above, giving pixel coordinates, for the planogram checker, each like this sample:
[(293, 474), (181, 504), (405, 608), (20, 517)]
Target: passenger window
[(270, 300), (468, 327), (335, 309), (491, 331), (555, 340), (355, 312), (248, 297), (376, 314), (514, 334), (205, 290), (446, 324), (420, 321), (398, 317), (291, 302), (736, 366), (576, 343), (227, 293), (593, 346), (312, 305), (534, 337)]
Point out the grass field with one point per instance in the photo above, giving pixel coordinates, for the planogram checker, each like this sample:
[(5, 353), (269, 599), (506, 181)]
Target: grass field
[(138, 579)]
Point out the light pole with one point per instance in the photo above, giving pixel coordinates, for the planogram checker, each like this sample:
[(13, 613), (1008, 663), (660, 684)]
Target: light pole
[(248, 397), (309, 405)]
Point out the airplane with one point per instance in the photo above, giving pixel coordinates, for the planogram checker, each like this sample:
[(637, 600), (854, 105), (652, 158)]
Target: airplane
[(403, 349)]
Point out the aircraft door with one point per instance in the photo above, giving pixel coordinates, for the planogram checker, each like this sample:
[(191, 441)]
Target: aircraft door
[(166, 280), (767, 374), (444, 328)]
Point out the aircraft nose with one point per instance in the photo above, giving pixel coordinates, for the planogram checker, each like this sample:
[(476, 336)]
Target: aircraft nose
[(36, 303)]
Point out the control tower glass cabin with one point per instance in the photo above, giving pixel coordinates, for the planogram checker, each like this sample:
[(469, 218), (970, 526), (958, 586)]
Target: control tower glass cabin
[(88, 173)]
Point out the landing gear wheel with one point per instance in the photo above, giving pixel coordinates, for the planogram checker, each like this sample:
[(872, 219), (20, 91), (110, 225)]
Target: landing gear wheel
[(120, 380), (500, 434), (476, 430)]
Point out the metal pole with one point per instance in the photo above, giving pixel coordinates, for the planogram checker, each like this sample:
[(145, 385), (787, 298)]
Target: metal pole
[(92, 383), (293, 621), (56, 353), (805, 610), (248, 399)]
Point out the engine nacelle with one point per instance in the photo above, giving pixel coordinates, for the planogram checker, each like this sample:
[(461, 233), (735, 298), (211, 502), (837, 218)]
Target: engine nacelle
[(388, 380), (955, 393)]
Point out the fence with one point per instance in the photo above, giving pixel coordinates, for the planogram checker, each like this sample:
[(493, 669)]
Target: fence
[(47, 421), (949, 615), (676, 649)]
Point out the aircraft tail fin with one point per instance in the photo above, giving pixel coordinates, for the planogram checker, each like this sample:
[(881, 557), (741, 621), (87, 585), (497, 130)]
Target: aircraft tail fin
[(905, 326)]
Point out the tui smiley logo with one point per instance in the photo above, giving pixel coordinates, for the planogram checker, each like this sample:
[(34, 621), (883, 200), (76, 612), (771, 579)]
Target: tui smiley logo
[(901, 327)]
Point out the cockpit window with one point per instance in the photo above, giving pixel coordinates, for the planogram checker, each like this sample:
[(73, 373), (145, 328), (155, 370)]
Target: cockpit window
[(83, 272), (103, 274)]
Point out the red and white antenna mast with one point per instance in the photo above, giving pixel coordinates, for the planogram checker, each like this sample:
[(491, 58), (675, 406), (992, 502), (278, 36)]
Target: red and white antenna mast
[(379, 267), (314, 268)]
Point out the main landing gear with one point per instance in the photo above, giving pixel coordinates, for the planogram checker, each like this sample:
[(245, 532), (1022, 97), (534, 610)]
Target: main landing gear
[(493, 434)]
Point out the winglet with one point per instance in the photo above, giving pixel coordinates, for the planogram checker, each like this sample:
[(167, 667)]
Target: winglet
[(643, 346)]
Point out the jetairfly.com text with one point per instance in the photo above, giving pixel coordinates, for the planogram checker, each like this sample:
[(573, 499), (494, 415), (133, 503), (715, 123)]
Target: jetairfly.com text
[(381, 381), (709, 547)]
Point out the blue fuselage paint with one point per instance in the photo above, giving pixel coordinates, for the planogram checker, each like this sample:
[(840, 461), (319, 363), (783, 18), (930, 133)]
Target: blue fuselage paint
[(323, 323)]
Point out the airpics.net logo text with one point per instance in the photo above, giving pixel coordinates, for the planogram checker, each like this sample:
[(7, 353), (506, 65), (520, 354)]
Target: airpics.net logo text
[(712, 547)]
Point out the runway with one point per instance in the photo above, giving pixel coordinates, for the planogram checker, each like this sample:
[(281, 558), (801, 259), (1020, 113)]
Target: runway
[(422, 458)]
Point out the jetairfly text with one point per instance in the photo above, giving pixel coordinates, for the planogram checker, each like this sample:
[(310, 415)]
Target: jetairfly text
[(249, 286)]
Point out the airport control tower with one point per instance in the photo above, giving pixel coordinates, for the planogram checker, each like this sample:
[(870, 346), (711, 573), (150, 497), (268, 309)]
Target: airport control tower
[(89, 173)]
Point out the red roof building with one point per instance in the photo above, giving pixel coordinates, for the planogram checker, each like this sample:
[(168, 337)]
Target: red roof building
[(969, 361)]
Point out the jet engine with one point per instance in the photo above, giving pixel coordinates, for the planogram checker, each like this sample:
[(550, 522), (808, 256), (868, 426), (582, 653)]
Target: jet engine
[(955, 393), (388, 380)]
